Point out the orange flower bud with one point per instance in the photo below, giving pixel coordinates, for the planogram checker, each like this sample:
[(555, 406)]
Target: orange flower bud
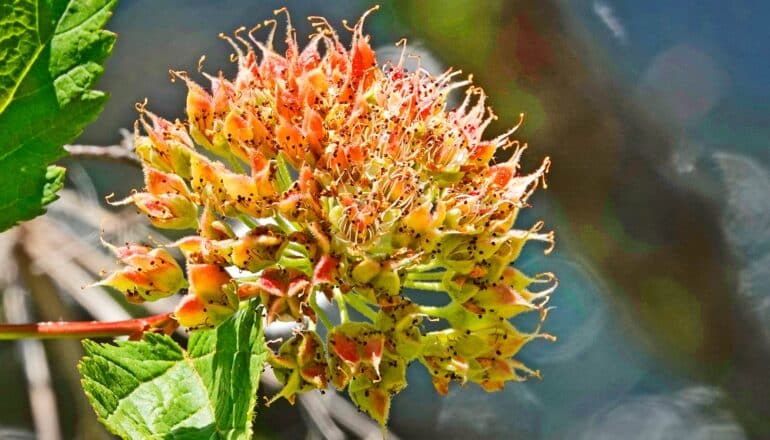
[(421, 219), (159, 183), (148, 275), (192, 313), (211, 298), (167, 147), (204, 177), (314, 131), (208, 282), (258, 249), (284, 293), (291, 141), (200, 111), (262, 174), (242, 193), (237, 130), (202, 250), (166, 211)]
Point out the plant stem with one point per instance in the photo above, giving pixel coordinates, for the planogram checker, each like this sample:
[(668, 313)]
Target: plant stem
[(340, 299), (246, 220), (435, 312), (247, 278), (284, 224), (235, 164), (425, 276), (321, 313), (357, 303), (117, 153), (433, 264), (86, 329), (423, 285)]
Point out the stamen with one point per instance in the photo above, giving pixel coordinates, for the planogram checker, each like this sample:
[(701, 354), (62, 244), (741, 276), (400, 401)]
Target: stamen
[(271, 35), (232, 43), (402, 43), (251, 33), (241, 39)]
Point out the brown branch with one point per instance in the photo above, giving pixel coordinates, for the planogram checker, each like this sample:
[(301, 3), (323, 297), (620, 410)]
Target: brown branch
[(88, 329), (115, 153)]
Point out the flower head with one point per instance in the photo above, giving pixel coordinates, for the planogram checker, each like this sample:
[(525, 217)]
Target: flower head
[(354, 180)]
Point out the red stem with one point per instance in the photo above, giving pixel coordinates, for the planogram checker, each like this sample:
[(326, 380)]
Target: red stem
[(88, 329)]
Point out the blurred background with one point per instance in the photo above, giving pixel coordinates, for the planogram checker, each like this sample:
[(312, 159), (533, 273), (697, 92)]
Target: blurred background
[(656, 115)]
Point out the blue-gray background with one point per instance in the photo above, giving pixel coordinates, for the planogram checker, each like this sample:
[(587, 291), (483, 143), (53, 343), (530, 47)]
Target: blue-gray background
[(656, 115)]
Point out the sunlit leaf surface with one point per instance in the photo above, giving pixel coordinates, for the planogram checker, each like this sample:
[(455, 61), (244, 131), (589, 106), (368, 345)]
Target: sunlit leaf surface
[(52, 55), (153, 389)]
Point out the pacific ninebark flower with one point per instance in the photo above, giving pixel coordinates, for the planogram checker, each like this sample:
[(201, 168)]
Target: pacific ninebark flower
[(300, 365), (211, 297), (148, 274), (283, 292), (354, 180), (355, 349)]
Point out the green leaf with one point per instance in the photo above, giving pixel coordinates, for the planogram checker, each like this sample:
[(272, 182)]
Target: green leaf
[(152, 389), (52, 53), (19, 44)]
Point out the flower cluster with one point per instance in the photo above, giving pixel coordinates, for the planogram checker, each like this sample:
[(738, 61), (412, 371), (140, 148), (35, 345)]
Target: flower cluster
[(353, 181)]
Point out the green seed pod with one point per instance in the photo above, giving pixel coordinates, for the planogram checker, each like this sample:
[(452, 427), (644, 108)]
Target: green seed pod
[(300, 365), (373, 397), (387, 281), (355, 348), (400, 325)]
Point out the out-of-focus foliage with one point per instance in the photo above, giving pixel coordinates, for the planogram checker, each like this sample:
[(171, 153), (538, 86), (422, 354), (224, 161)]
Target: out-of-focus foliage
[(52, 55)]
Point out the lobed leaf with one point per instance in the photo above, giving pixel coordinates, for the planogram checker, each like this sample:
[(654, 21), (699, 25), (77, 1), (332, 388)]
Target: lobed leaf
[(52, 54), (153, 389)]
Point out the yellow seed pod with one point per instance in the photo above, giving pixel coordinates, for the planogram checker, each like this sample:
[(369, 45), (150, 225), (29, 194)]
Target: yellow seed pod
[(364, 271)]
